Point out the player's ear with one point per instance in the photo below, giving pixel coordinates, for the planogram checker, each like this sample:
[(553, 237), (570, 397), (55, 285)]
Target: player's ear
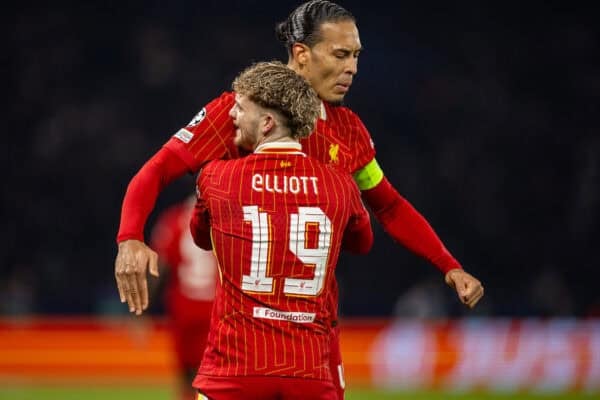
[(268, 123), (300, 53)]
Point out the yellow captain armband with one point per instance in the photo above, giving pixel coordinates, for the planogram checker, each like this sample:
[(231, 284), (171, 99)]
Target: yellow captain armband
[(368, 176)]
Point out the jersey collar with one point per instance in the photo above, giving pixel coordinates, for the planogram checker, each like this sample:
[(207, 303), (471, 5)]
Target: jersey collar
[(323, 114), (279, 147)]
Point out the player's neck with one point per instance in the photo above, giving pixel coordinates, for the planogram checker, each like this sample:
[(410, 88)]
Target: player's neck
[(278, 136), (269, 146)]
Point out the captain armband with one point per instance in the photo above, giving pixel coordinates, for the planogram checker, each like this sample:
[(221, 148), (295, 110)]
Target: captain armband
[(368, 176)]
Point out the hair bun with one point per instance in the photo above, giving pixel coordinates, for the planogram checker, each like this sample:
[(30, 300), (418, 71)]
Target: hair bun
[(282, 31)]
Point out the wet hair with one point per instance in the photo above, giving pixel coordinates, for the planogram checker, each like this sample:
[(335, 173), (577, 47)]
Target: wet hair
[(274, 86), (303, 25)]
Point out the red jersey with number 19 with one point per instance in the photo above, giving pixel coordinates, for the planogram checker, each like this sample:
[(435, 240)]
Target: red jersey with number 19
[(278, 220), (340, 138)]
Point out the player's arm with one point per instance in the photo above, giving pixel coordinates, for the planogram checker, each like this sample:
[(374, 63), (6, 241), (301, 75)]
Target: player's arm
[(205, 138), (200, 221), (208, 135), (200, 225), (143, 190), (358, 236), (134, 257), (400, 219), (408, 227)]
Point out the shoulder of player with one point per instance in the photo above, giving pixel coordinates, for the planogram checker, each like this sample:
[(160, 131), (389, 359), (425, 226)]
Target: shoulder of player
[(214, 165), (333, 171), (339, 111), (214, 109), (227, 97), (224, 166), (222, 103), (352, 125)]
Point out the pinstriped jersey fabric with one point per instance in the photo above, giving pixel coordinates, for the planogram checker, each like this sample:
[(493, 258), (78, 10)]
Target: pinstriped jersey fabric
[(209, 136), (340, 138), (277, 221)]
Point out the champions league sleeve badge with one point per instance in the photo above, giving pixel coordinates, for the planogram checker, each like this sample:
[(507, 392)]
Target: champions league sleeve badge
[(198, 118)]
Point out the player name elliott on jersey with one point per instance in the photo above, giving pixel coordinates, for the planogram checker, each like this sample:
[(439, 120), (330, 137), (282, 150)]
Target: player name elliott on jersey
[(285, 184)]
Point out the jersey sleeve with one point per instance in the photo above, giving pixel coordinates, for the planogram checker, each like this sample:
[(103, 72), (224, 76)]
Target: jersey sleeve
[(397, 216), (143, 190), (358, 236), (407, 226), (361, 141), (200, 221), (208, 136)]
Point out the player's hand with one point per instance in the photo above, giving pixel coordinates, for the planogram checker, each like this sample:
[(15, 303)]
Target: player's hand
[(468, 288), (134, 258)]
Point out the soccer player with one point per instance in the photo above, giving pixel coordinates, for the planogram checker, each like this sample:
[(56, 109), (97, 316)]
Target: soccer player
[(191, 275), (277, 220), (323, 46)]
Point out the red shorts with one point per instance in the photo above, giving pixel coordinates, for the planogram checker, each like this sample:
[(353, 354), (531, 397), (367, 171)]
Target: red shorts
[(263, 388)]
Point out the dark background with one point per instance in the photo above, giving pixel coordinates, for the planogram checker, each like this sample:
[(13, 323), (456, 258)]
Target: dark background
[(484, 116)]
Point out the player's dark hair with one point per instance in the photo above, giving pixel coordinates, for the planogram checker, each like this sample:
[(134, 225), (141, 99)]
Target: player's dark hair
[(303, 25)]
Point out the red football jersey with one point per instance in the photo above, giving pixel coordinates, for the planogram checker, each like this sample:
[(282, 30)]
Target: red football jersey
[(339, 138), (192, 271), (277, 221)]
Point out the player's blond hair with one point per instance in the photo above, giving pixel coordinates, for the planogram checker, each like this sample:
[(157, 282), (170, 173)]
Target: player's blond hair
[(274, 86)]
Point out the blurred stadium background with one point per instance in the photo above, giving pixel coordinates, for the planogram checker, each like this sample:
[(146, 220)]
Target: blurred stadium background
[(485, 116)]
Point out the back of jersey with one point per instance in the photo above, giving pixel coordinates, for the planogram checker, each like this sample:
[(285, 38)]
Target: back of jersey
[(277, 222)]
